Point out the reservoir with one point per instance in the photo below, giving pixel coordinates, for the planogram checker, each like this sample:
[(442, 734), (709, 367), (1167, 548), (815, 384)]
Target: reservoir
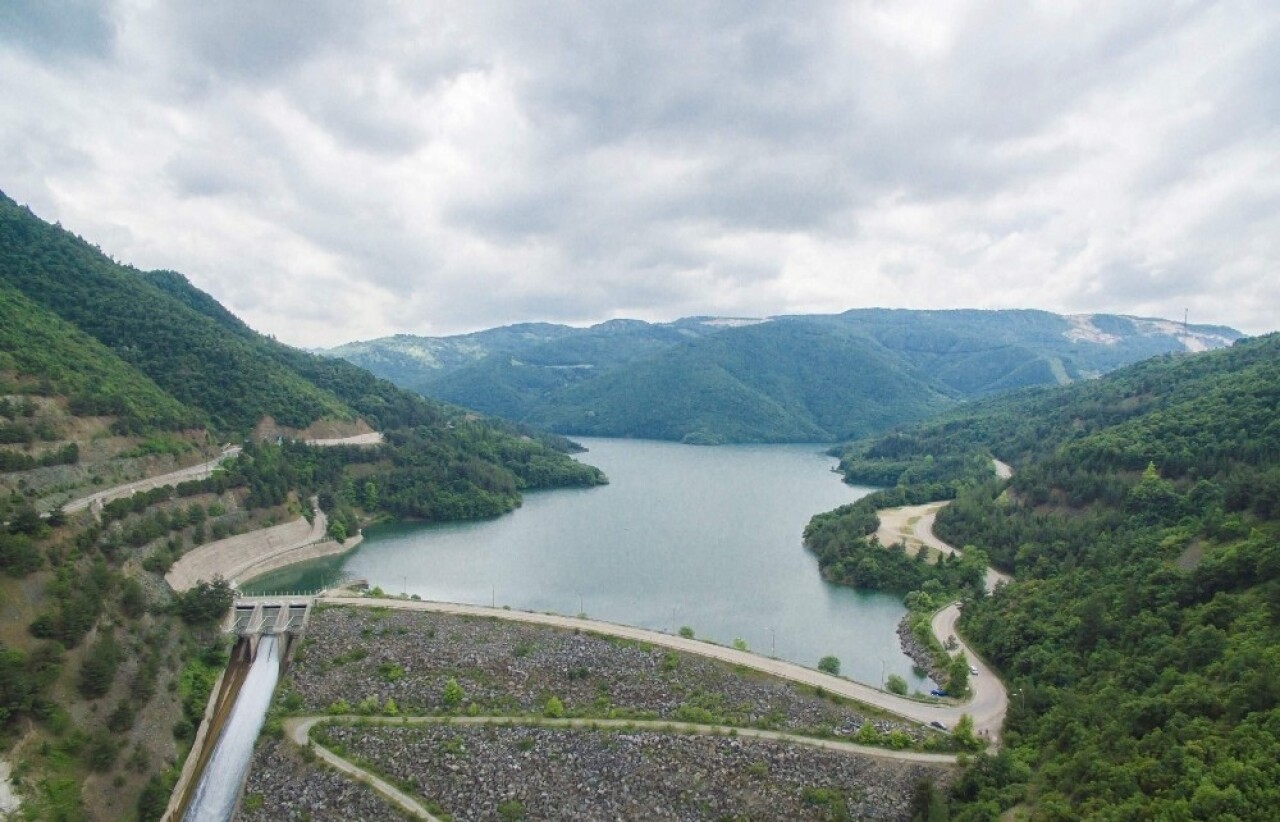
[(704, 537)]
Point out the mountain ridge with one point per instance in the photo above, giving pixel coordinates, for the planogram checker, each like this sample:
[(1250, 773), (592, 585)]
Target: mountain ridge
[(607, 379)]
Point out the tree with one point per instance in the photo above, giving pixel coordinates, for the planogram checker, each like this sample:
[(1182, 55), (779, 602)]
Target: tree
[(963, 733), (206, 603), (453, 693), (554, 709), (958, 675), (98, 670), (829, 665), (897, 685)]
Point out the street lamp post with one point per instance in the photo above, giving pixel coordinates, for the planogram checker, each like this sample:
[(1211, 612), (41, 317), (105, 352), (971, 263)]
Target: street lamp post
[(882, 674), (773, 642)]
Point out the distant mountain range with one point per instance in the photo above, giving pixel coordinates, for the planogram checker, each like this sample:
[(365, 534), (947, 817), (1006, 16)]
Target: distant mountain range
[(780, 379)]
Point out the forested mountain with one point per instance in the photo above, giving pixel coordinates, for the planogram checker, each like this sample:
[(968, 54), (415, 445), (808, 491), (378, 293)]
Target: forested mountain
[(783, 379), (109, 375), (1141, 638)]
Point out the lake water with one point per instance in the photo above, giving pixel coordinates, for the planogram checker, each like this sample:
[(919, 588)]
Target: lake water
[(708, 537)]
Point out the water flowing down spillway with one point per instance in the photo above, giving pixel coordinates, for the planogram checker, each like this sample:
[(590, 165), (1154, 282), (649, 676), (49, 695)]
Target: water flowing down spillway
[(215, 796)]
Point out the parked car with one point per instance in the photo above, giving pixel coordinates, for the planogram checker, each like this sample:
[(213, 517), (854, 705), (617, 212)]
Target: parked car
[(937, 692), (973, 671), (936, 724)]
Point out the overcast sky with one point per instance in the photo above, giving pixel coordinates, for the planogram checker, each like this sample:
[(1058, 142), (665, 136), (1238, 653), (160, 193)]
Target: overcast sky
[(359, 169)]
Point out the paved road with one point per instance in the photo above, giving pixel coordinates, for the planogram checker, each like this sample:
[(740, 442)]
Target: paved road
[(923, 711), (128, 489), (990, 701)]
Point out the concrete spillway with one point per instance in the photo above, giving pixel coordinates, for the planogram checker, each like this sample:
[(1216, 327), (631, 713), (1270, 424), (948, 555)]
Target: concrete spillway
[(219, 787)]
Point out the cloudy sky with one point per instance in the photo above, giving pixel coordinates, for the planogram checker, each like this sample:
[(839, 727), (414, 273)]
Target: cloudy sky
[(358, 169)]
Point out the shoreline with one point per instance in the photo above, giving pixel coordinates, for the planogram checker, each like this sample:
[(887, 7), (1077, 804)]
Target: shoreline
[(243, 557)]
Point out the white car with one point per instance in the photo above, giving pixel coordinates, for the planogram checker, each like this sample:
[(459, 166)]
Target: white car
[(973, 671)]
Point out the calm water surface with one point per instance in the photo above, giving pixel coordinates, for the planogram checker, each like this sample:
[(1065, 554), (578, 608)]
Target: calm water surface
[(683, 535)]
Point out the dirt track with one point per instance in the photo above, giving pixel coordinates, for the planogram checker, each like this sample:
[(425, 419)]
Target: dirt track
[(128, 489), (359, 439)]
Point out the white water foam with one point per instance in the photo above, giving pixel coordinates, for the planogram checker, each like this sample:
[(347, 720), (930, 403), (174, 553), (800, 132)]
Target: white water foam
[(219, 787)]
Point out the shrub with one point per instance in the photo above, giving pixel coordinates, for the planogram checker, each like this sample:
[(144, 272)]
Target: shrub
[(453, 693)]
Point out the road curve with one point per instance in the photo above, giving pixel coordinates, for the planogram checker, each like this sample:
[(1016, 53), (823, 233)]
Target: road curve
[(915, 710), (990, 701), (298, 728), (912, 525)]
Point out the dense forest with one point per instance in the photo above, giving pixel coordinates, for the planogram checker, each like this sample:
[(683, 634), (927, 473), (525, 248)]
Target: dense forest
[(797, 378), (1141, 639)]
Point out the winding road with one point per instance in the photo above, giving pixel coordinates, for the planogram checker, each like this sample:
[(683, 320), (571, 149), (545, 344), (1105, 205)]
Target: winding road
[(912, 525), (128, 489), (201, 471)]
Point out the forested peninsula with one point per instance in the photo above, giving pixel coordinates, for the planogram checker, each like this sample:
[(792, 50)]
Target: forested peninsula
[(1141, 637)]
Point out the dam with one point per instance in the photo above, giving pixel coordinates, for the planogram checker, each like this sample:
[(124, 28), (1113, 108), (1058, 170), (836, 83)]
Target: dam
[(265, 629)]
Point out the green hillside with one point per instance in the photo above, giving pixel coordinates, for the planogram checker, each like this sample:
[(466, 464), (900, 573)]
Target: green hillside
[(714, 380), (110, 375), (185, 352), (779, 381), (1142, 634), (42, 350)]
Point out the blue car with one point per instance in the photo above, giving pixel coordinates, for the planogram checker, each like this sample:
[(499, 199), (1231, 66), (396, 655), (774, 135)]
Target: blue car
[(937, 692)]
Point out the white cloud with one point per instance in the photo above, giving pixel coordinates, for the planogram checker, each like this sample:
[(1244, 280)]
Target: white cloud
[(341, 171)]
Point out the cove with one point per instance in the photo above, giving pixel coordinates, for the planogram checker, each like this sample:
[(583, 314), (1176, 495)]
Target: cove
[(705, 537)]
